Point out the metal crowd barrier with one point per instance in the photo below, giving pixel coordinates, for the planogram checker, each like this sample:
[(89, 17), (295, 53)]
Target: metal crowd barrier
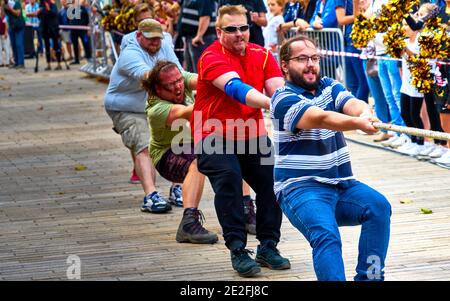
[(98, 66), (327, 39)]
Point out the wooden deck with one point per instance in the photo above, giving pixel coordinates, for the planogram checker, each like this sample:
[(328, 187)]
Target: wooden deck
[(53, 121)]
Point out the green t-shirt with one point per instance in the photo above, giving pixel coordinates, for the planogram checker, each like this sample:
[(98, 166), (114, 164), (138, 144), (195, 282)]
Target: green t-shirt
[(162, 136)]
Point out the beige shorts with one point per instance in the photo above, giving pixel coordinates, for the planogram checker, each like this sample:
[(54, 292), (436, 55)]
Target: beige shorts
[(133, 127), (65, 36)]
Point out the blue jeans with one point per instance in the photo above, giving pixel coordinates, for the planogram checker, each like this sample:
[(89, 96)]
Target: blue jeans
[(391, 82), (17, 44), (355, 73), (381, 105), (318, 209)]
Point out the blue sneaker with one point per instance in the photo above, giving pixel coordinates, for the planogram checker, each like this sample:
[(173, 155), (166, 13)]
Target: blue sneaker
[(154, 202), (267, 255), (176, 195)]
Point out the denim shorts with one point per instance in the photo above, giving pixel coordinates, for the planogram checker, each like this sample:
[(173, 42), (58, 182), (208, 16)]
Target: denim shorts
[(134, 129), (174, 167)]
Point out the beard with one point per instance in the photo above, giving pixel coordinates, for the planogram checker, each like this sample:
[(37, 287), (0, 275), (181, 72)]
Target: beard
[(298, 79)]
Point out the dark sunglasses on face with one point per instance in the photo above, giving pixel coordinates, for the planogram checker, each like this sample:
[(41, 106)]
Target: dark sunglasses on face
[(233, 29)]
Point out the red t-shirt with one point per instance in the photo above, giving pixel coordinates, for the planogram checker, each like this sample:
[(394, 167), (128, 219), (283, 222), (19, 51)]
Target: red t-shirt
[(217, 113)]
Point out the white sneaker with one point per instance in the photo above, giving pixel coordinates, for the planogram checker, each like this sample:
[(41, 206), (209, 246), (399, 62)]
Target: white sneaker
[(413, 151), (426, 151), (404, 149), (387, 143), (437, 152), (445, 158), (400, 141)]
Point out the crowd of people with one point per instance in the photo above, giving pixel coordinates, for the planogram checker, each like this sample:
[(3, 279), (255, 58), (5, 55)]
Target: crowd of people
[(45, 22), (186, 96)]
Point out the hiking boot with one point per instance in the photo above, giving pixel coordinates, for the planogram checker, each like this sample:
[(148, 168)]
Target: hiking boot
[(250, 215), (134, 179), (267, 255), (176, 195), (155, 203), (243, 263), (191, 228)]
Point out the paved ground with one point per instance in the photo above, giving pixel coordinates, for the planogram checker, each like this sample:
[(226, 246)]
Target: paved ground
[(53, 122)]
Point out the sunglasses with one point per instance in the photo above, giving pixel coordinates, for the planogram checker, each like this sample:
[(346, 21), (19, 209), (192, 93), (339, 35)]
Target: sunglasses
[(233, 29)]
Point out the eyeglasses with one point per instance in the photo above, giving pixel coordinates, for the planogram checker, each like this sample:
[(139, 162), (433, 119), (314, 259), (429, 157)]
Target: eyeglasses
[(303, 59), (171, 86), (233, 29)]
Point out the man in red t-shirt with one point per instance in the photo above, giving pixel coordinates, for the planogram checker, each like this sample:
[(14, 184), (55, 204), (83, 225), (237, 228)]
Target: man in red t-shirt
[(231, 140)]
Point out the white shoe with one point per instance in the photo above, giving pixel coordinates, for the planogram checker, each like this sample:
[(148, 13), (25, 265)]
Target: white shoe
[(387, 143), (413, 151), (444, 159), (437, 152), (404, 149), (426, 151), (400, 141)]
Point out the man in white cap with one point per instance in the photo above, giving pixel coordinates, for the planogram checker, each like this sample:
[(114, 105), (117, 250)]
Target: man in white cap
[(125, 103)]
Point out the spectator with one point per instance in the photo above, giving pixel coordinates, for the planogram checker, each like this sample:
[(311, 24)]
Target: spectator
[(271, 38), (196, 25), (64, 33), (233, 74), (48, 14), (16, 29), (82, 34), (125, 103), (170, 101), (31, 10), (314, 183), (4, 41), (354, 72), (297, 13)]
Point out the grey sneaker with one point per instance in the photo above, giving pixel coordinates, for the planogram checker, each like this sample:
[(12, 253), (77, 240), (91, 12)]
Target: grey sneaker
[(191, 228)]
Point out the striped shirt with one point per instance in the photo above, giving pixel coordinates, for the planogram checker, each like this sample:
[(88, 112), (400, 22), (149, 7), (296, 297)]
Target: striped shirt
[(319, 155)]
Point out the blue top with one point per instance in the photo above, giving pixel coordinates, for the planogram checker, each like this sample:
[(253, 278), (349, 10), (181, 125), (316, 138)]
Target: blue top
[(125, 92), (318, 155), (327, 11), (348, 5)]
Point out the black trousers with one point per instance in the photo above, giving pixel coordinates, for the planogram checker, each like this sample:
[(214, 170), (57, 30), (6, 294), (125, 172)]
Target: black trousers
[(226, 171), (86, 41)]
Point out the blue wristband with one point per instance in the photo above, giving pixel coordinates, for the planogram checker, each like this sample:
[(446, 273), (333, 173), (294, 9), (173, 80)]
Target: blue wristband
[(236, 89)]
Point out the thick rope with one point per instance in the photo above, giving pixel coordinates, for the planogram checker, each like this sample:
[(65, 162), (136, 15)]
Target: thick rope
[(412, 131)]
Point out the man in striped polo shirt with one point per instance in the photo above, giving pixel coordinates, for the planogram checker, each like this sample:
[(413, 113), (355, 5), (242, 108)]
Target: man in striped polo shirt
[(314, 183)]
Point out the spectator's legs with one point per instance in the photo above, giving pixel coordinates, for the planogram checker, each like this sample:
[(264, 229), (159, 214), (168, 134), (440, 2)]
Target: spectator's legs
[(391, 82), (3, 46), (20, 46), (381, 105), (86, 43), (76, 49), (39, 38), (356, 79), (47, 50), (12, 39), (433, 116)]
